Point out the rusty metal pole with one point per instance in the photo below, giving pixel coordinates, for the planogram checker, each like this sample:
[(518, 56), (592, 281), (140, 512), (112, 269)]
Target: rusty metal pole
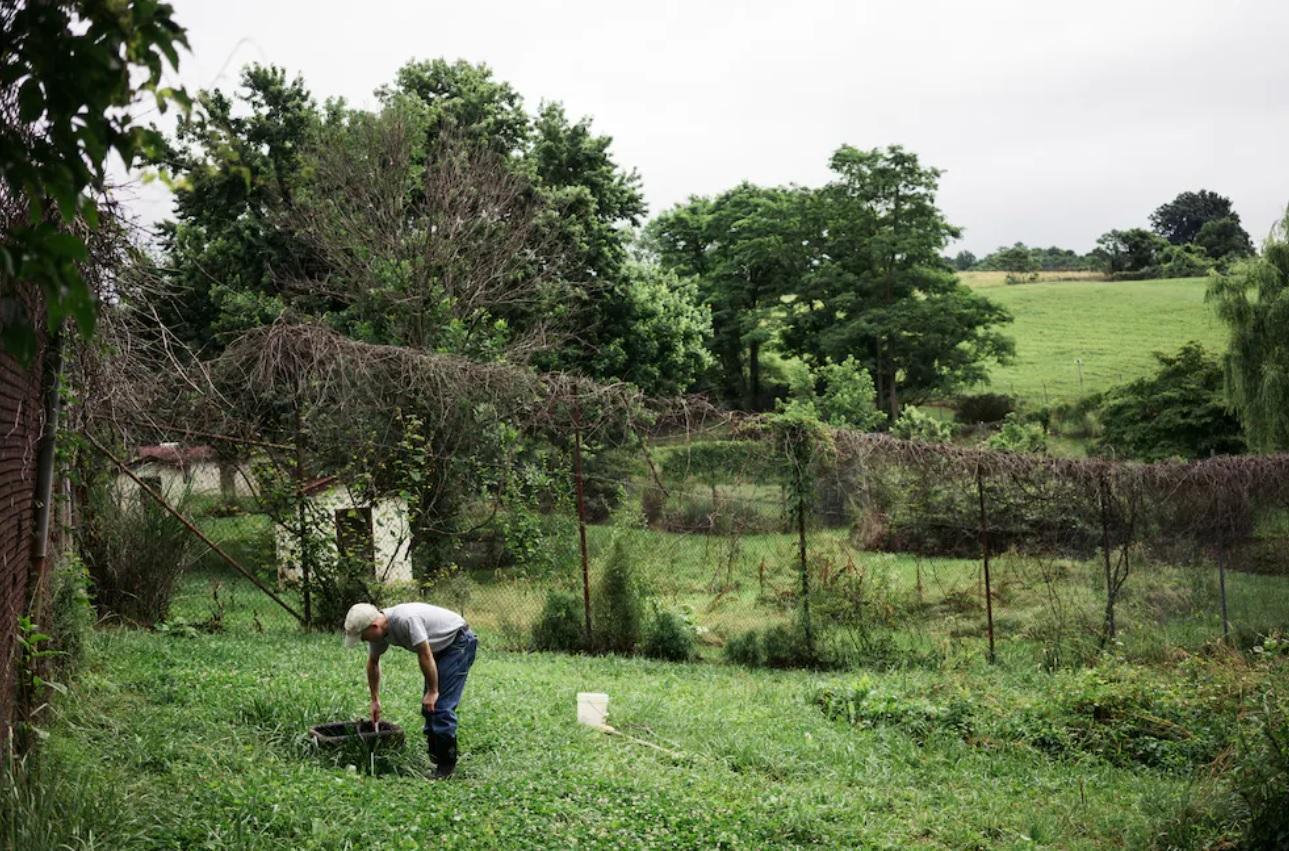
[(984, 555), (1222, 543), (1110, 628), (581, 516), (43, 493), (301, 519), (805, 567)]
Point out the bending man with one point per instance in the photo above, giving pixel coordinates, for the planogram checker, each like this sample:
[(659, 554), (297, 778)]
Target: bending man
[(444, 646)]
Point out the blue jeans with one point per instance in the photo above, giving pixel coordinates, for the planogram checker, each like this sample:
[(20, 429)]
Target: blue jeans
[(453, 664)]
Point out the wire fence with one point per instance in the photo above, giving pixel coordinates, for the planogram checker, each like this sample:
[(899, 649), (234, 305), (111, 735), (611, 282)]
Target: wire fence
[(859, 549)]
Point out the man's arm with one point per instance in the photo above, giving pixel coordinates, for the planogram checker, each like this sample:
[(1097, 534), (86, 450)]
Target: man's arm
[(373, 683), (431, 673)]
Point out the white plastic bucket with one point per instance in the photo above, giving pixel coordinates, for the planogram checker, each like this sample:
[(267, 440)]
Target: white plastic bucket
[(592, 708)]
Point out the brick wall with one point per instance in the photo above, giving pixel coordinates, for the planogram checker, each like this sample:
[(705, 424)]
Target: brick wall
[(21, 420)]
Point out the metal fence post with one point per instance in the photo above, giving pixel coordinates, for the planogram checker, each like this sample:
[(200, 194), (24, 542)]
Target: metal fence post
[(1222, 546), (1103, 494), (301, 499), (581, 516), (984, 556)]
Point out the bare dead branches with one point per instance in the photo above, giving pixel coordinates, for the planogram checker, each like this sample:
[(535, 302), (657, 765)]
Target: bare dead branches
[(439, 248)]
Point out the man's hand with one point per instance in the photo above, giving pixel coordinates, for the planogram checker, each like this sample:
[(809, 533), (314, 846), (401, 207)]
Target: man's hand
[(430, 700), (375, 710)]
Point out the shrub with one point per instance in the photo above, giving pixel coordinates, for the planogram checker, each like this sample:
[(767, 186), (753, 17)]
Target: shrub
[(1180, 411), (779, 646), (561, 627), (1261, 778), (668, 636), (1077, 418), (1018, 436), (785, 647), (849, 399), (339, 583), (984, 408), (618, 612), (71, 614), (134, 551), (913, 424), (747, 649)]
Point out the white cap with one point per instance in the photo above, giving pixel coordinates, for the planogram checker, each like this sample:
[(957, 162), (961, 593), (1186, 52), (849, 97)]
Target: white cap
[(361, 616)]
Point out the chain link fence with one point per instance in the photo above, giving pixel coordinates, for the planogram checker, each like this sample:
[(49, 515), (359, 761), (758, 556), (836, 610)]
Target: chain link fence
[(860, 550)]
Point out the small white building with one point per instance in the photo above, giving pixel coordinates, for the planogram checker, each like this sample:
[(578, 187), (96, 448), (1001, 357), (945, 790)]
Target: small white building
[(173, 470), (346, 524)]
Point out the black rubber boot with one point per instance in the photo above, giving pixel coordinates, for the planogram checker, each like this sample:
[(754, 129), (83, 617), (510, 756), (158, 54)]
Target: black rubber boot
[(445, 757), (432, 745)]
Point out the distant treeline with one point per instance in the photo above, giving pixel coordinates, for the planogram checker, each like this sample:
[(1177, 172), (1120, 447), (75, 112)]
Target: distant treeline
[(1195, 234)]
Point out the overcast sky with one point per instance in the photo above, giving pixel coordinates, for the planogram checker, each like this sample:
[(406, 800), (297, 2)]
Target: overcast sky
[(1053, 122)]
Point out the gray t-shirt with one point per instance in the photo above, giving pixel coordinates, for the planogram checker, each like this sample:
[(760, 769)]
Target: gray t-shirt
[(412, 623)]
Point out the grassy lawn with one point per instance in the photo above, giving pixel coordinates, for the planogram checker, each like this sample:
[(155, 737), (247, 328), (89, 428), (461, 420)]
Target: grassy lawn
[(185, 739), (1113, 326)]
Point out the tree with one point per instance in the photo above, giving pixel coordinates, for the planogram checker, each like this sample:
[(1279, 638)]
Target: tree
[(747, 248), (274, 185), (1253, 301), (465, 102), (70, 71), (1224, 240), (876, 288), (964, 260), (1130, 251), (1179, 412), (661, 332), (1179, 221), (229, 251), (442, 250), (1018, 262)]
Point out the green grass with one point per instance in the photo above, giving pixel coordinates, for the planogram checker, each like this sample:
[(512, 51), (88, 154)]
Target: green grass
[(1113, 326), (198, 742), (187, 739)]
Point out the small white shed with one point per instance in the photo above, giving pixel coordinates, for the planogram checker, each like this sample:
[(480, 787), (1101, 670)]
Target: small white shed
[(344, 523), (173, 470)]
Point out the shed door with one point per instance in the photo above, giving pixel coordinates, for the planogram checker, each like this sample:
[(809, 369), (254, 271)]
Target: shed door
[(354, 537)]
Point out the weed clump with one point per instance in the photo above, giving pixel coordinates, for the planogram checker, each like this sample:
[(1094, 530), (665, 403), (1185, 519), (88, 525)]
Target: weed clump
[(1261, 776), (668, 636), (71, 614), (779, 646), (135, 552), (560, 628)]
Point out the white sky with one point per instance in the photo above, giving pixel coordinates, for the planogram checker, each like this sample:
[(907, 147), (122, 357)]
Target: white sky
[(1054, 122)]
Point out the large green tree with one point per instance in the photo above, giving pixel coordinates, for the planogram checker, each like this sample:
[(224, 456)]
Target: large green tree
[(1179, 221), (747, 247), (1130, 251), (228, 251), (447, 219), (1224, 240), (877, 289), (1253, 301)]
